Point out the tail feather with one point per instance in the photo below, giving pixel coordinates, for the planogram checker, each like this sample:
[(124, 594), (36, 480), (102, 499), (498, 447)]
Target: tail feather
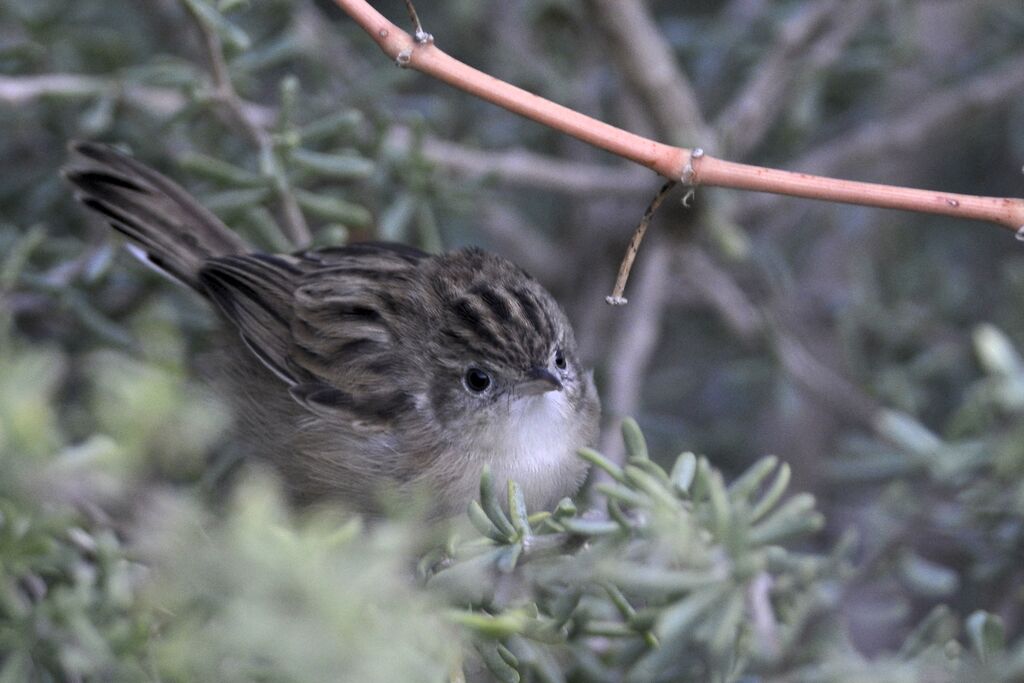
[(171, 229)]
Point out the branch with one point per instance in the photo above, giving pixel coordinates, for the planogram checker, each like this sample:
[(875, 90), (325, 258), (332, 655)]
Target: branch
[(429, 59), (825, 384), (521, 167), (648, 64), (923, 118), (928, 116), (745, 121), (224, 92), (672, 162), (521, 241), (20, 90), (617, 298)]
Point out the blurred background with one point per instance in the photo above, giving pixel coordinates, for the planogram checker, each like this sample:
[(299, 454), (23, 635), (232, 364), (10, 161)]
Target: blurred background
[(872, 350)]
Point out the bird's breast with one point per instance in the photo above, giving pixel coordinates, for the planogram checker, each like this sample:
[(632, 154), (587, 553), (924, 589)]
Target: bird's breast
[(535, 445)]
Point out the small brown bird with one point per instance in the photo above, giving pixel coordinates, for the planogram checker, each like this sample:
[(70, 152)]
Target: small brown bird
[(372, 368)]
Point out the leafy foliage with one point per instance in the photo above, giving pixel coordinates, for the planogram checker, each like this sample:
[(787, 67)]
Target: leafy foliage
[(124, 556)]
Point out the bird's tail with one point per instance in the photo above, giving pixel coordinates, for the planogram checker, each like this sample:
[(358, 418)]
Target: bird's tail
[(168, 228)]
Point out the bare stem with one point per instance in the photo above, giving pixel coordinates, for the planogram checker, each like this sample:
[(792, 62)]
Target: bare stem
[(421, 35), (616, 299), (667, 160), (294, 222)]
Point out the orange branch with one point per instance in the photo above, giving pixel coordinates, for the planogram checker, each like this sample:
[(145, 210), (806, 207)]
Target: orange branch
[(675, 163)]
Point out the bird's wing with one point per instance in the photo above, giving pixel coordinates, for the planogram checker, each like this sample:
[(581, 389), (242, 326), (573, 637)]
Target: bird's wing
[(326, 322), (169, 230), (254, 291)]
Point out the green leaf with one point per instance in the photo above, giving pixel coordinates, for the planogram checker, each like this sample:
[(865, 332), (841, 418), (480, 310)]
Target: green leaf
[(492, 506), (623, 494), (674, 632), (233, 200), (636, 445), (491, 626), (795, 518), (675, 622), (288, 93), (483, 523), (995, 351), (496, 663), (601, 462), (232, 36), (509, 557), (749, 481), (344, 123), (539, 660), (564, 605), (590, 527), (220, 171), (659, 582), (683, 472), (986, 635), (651, 485), (699, 488), (347, 166), (905, 430), (334, 209), (926, 577), (565, 508), (937, 628), (725, 630), (394, 221), (16, 258), (772, 495), (517, 510)]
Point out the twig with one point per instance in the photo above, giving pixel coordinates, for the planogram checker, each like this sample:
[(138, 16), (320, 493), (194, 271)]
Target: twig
[(616, 299), (429, 59), (634, 344), (809, 40), (514, 166), (716, 287), (18, 90), (421, 35), (521, 241), (827, 385), (517, 166), (648, 65), (666, 159), (928, 116), (294, 222)]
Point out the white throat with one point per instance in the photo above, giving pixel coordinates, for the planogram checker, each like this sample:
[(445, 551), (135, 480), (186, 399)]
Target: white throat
[(537, 446)]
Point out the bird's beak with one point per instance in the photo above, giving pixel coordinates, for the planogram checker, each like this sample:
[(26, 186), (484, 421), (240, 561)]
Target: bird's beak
[(539, 381)]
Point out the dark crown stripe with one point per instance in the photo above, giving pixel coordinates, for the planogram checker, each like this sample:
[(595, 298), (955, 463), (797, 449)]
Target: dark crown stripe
[(476, 324), (496, 301), (471, 348), (530, 308)]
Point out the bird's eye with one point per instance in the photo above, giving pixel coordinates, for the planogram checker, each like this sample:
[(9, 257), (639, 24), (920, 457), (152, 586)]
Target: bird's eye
[(477, 380), (559, 359)]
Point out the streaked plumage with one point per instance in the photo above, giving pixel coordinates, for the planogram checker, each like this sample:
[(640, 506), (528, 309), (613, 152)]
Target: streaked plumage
[(359, 366)]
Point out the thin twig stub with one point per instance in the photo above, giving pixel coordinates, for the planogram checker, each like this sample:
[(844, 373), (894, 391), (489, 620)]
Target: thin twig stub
[(617, 298)]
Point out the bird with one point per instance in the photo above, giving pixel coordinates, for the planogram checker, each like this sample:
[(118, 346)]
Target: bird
[(370, 371)]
